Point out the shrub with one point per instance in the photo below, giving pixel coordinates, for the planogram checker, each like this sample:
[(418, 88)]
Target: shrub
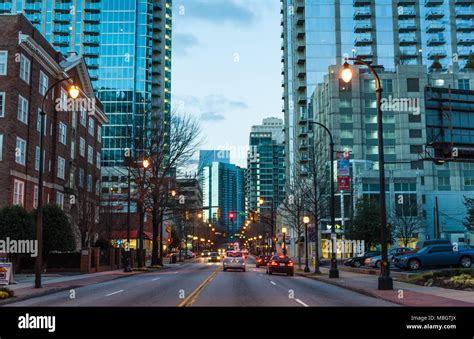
[(6, 293)]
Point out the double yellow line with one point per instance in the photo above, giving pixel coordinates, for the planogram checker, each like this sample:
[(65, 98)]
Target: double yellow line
[(191, 299)]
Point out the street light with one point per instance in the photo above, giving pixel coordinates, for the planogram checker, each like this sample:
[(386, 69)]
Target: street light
[(385, 281), (73, 93), (284, 230), (306, 222), (333, 271)]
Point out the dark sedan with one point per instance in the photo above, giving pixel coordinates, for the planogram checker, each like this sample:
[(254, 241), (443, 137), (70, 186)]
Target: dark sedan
[(358, 261), (214, 257), (280, 264), (262, 260)]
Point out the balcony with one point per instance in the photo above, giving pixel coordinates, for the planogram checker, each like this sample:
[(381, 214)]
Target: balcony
[(303, 118), (92, 18), (406, 2), (406, 41), (437, 54), (406, 27), (33, 8), (60, 42), (436, 41), (91, 40), (92, 7), (366, 53), (432, 3), (435, 27), (61, 30), (406, 13), (363, 27), (300, 35), (91, 29), (303, 132), (434, 14), (465, 40), (91, 52), (463, 2), (62, 18), (361, 3), (363, 41), (464, 53), (464, 13), (362, 14), (303, 145), (465, 27), (408, 53), (63, 7)]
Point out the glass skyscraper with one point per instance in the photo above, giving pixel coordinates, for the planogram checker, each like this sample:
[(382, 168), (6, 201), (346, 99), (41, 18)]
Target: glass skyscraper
[(127, 48)]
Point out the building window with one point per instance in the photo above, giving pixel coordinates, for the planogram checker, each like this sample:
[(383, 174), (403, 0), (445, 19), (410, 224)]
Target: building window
[(347, 134), (387, 85), (43, 83), (439, 83), (2, 104), (417, 164), (18, 192), (74, 120), (61, 166), (444, 182), (25, 65), (1, 147), (415, 133), (97, 160), (413, 85), (90, 155), (464, 84), (99, 134), (414, 118), (37, 158), (91, 126), (469, 182), (416, 149), (389, 150), (20, 151), (82, 147), (83, 118), (62, 133), (60, 199), (35, 196), (22, 114), (89, 183), (345, 103), (97, 188), (3, 62), (370, 103), (373, 150), (81, 177), (73, 150)]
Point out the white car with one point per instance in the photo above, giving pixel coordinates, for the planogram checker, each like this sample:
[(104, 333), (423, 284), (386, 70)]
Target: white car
[(234, 260)]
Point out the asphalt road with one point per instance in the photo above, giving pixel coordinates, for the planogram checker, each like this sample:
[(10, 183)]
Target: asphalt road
[(205, 284)]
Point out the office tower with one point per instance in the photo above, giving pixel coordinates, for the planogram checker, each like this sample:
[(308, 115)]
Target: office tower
[(127, 49), (265, 175), (223, 192), (207, 157), (420, 44)]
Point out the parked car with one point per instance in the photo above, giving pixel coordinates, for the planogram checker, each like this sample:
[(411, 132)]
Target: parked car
[(376, 261), (426, 243), (214, 257), (358, 260), (262, 260), (436, 255), (187, 254), (280, 264), (234, 260)]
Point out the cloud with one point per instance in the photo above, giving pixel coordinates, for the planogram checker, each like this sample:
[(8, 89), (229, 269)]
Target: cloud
[(183, 42), (209, 108), (217, 11)]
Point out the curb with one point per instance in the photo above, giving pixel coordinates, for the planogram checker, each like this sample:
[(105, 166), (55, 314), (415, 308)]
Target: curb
[(351, 288), (60, 289)]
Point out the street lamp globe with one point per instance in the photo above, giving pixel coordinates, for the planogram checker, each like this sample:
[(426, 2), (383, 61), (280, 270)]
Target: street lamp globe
[(74, 91), (346, 73), (306, 220), (146, 163), (284, 230)]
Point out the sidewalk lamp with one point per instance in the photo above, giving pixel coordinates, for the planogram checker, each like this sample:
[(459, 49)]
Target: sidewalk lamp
[(306, 222), (284, 230), (74, 92), (385, 281)]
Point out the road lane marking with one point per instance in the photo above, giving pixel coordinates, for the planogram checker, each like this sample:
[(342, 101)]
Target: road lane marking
[(175, 272), (156, 279), (272, 282), (108, 295), (302, 303), (191, 299)]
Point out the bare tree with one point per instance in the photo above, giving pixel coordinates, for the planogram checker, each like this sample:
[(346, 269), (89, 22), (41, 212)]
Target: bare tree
[(407, 227)]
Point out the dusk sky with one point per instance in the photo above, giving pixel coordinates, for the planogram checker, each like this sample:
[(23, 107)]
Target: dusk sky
[(226, 68)]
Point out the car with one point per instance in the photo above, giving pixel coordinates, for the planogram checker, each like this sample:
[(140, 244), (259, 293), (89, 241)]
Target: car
[(214, 257), (234, 260), (281, 264), (358, 260), (392, 252), (425, 243), (436, 255), (262, 260), (187, 254), (205, 253)]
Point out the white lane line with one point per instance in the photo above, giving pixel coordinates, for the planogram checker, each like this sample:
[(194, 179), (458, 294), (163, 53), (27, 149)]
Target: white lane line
[(156, 279), (108, 295), (175, 272), (272, 282), (302, 303)]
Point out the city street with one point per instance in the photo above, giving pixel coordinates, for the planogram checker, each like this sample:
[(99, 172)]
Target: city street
[(200, 283)]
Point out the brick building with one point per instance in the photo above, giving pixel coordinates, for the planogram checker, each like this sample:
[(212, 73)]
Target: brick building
[(72, 142)]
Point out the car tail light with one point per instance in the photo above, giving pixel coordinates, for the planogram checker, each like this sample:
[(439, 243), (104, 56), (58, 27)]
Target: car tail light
[(290, 263), (259, 260), (274, 263), (281, 256)]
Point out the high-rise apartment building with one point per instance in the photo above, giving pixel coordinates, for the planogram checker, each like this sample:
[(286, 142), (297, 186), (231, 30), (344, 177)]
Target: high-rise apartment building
[(420, 44), (265, 175), (127, 48)]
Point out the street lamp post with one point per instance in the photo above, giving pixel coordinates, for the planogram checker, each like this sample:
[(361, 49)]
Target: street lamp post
[(306, 242), (73, 93), (385, 281), (333, 271), (128, 266), (284, 230)]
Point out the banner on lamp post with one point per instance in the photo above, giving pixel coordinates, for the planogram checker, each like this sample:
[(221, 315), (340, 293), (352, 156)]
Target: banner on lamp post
[(343, 171)]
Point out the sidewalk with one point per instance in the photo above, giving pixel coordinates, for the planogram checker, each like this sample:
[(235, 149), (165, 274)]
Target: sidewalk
[(411, 295), (25, 289)]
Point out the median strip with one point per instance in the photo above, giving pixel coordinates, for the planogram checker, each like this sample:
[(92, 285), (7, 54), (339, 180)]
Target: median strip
[(191, 299)]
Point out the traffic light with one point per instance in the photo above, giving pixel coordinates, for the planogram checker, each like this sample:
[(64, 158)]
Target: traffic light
[(231, 216)]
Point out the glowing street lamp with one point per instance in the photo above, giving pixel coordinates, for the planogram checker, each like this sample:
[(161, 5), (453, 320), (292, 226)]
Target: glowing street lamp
[(306, 241), (284, 230)]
